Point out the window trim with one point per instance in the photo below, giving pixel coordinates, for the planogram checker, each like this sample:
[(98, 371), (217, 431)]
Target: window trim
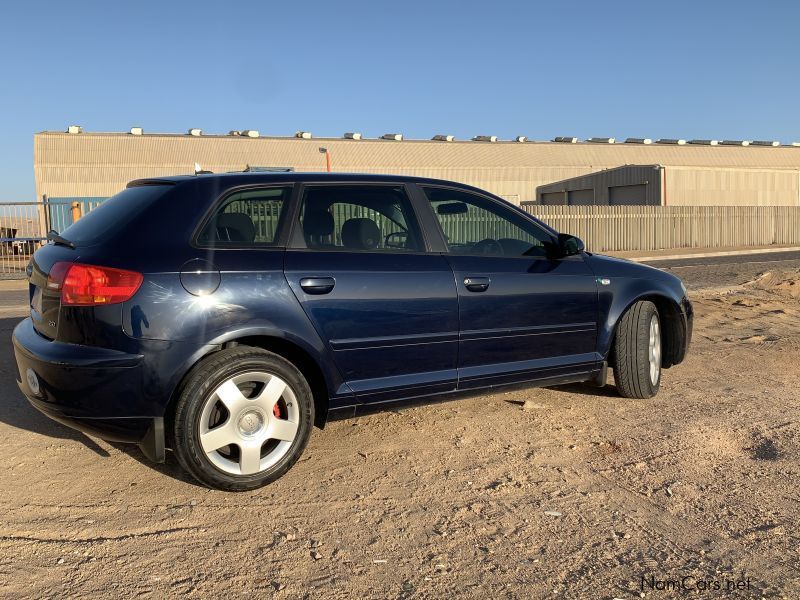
[(297, 240), (281, 230), (501, 204)]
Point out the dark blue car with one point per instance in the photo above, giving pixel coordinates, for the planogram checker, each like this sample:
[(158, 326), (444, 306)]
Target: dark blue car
[(222, 316)]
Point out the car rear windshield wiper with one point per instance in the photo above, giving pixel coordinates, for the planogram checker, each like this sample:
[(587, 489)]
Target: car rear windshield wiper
[(56, 238)]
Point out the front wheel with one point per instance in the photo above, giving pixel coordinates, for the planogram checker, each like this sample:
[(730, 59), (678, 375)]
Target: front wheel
[(243, 417), (637, 352)]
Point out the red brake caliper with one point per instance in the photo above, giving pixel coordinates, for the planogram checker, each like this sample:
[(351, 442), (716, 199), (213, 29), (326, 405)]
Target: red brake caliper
[(276, 410)]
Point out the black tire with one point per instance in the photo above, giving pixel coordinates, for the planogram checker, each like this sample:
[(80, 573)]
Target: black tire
[(631, 352), (199, 388)]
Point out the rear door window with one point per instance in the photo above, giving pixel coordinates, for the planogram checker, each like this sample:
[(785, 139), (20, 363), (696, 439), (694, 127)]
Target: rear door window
[(113, 215), (247, 218), (375, 218)]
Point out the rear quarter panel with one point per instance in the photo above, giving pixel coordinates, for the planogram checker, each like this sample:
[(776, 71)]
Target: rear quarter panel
[(253, 299)]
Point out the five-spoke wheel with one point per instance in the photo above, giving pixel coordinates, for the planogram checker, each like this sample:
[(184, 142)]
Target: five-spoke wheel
[(249, 423), (654, 350), (243, 418)]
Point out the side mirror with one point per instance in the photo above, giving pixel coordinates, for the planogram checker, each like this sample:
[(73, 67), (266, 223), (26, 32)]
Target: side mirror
[(569, 245)]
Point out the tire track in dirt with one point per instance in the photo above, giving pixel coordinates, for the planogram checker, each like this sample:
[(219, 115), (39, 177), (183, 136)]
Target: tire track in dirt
[(96, 540)]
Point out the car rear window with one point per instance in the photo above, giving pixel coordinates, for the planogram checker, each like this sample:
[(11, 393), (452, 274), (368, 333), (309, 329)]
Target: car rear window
[(113, 215)]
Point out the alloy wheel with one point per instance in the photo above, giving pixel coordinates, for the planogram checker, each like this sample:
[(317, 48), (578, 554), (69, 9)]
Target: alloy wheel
[(654, 353), (249, 423)]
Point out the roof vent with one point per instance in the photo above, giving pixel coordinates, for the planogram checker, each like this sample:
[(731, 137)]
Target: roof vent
[(638, 141), (303, 135), (671, 141), (251, 133), (352, 135), (521, 138), (566, 140), (443, 138), (765, 143), (137, 131), (397, 137), (196, 132), (704, 142), (74, 129), (735, 143), (601, 140), (485, 138)]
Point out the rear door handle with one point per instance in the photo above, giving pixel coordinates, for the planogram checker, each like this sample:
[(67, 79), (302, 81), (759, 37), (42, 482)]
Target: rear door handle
[(317, 285), (477, 284)]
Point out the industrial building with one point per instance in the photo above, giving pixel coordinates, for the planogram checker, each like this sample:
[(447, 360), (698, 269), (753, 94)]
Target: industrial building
[(76, 165), (677, 185)]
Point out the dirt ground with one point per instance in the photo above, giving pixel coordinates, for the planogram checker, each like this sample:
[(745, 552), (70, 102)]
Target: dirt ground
[(581, 495)]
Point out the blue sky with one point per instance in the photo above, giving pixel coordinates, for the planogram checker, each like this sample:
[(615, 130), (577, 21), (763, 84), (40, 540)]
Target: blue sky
[(643, 69)]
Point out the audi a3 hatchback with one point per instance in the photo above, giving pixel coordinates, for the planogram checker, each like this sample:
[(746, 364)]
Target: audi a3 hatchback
[(223, 316)]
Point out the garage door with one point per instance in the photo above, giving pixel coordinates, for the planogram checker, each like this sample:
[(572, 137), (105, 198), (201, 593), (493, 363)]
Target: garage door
[(628, 195), (581, 197), (553, 198)]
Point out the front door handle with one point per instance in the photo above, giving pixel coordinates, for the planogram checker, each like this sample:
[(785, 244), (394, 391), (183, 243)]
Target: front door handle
[(477, 284), (317, 285)]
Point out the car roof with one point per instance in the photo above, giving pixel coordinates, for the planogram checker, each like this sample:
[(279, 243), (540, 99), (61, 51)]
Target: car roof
[(242, 178)]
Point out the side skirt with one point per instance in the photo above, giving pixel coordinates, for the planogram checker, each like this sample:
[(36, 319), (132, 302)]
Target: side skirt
[(374, 407)]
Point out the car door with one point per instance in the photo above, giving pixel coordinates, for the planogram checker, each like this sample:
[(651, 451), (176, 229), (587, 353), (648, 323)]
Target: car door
[(523, 315), (387, 307)]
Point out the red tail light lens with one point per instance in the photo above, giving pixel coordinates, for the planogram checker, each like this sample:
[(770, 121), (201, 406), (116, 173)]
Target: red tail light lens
[(56, 277), (90, 285)]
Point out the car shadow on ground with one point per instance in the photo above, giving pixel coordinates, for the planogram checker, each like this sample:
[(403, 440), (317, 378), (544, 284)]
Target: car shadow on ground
[(587, 389), (16, 411), (170, 467)]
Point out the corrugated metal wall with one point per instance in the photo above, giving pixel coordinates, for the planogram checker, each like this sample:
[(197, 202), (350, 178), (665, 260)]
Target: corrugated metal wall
[(594, 188), (685, 186), (614, 228), (732, 187), (90, 164)]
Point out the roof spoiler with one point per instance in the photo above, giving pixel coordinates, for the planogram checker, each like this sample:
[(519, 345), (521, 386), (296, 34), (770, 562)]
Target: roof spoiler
[(143, 182)]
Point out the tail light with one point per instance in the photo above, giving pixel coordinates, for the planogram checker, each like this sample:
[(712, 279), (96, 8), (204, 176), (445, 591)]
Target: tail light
[(90, 285)]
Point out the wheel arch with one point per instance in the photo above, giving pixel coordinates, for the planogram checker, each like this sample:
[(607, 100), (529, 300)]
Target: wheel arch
[(672, 328), (301, 359), (293, 351)]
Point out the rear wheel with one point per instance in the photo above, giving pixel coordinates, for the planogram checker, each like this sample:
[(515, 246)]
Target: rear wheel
[(242, 419), (637, 352)]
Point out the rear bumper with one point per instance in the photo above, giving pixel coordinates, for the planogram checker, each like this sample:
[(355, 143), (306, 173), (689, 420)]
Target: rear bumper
[(94, 390)]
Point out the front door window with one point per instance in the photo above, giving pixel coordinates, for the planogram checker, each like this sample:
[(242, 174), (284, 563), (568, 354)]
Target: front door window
[(474, 225)]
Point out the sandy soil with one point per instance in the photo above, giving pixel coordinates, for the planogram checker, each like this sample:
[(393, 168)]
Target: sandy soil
[(581, 494)]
